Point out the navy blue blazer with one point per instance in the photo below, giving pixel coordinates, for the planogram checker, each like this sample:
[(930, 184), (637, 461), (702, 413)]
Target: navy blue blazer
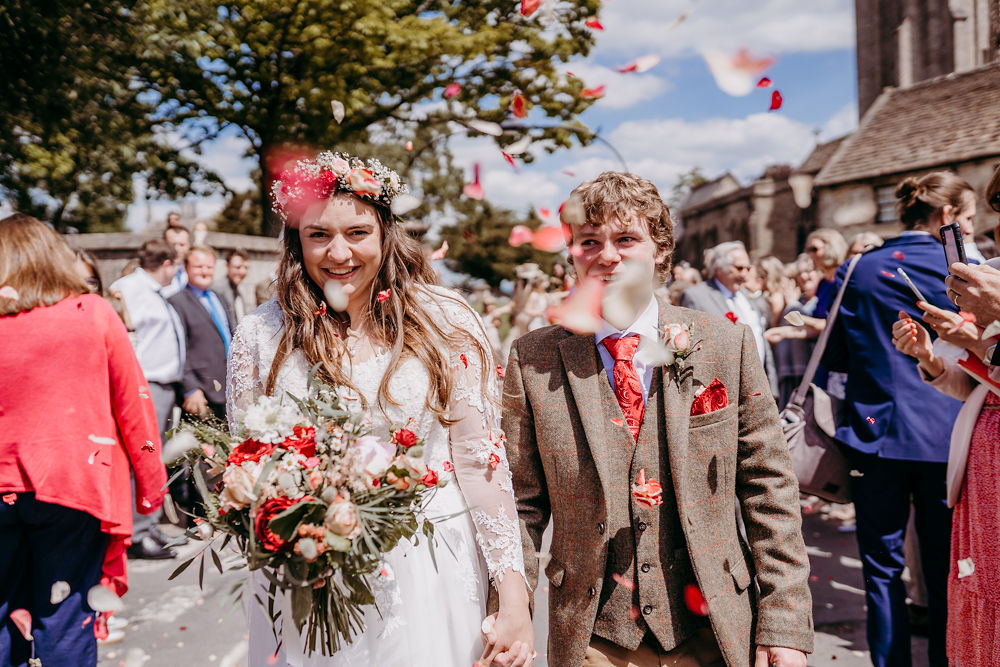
[(889, 410), (205, 365)]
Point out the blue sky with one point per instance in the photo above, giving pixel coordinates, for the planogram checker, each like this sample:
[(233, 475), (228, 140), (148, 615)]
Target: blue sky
[(672, 117)]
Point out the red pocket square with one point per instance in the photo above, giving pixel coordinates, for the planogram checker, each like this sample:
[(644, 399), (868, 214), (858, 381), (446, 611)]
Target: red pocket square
[(713, 398)]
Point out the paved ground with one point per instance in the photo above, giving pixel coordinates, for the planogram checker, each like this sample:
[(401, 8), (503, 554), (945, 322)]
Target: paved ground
[(176, 623)]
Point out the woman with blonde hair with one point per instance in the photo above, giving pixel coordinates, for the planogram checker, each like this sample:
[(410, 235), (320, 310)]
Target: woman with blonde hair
[(76, 417), (356, 298)]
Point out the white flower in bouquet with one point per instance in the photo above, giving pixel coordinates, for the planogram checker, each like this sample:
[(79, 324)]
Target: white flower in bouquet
[(237, 485), (271, 420), (341, 519), (373, 455)]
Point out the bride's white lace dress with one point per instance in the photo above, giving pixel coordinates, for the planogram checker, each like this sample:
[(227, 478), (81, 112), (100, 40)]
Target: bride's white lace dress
[(429, 616)]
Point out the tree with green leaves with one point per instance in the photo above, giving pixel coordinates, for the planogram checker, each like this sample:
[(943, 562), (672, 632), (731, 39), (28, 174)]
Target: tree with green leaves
[(75, 127), (277, 71)]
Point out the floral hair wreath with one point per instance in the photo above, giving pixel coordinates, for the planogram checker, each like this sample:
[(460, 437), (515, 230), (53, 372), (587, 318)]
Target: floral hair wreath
[(312, 181)]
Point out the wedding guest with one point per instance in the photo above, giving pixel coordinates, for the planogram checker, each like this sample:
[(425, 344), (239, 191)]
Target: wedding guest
[(159, 346), (792, 346), (237, 266), (976, 289), (885, 427), (71, 428), (588, 418), (86, 268), (776, 286), (179, 237), (727, 267), (862, 240)]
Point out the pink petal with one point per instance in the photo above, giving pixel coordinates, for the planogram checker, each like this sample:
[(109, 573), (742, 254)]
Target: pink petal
[(616, 421), (545, 213), (409, 145), (22, 619), (549, 239), (593, 93), (440, 252), (580, 312), (898, 254), (624, 582), (473, 191), (520, 235), (887, 274), (510, 159), (452, 89)]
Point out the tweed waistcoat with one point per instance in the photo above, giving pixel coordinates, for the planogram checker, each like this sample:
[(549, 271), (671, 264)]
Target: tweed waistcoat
[(648, 566)]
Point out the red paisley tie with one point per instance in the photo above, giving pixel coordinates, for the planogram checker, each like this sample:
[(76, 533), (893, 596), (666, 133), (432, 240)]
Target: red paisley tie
[(628, 391)]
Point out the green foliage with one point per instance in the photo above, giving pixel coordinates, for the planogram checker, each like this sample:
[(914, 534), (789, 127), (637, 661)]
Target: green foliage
[(686, 182), (74, 127), (271, 68), (241, 214)]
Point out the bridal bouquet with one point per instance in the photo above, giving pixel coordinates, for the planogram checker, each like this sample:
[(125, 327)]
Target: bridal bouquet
[(313, 501)]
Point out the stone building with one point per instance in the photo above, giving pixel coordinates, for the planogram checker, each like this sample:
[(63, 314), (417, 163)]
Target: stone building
[(950, 122)]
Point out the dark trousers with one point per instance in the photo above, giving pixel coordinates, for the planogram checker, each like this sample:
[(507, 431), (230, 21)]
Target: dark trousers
[(882, 497), (40, 544)]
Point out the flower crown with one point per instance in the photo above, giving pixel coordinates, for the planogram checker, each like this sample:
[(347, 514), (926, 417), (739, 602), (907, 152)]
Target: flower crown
[(311, 181)]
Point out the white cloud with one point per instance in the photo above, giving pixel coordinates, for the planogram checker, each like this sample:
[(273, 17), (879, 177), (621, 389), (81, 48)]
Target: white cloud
[(763, 26)]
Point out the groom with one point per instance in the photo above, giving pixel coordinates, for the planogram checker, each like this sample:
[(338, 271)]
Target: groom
[(639, 576)]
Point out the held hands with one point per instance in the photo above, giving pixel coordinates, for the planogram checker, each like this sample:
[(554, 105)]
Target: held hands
[(196, 403), (779, 656), (509, 640)]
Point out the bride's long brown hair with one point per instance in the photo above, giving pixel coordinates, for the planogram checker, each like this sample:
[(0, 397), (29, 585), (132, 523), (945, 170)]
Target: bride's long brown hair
[(404, 322)]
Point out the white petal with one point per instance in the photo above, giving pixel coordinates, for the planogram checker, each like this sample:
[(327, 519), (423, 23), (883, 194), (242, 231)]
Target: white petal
[(180, 444), (336, 298), (795, 318), (965, 568), (102, 599), (519, 146), (404, 203), (60, 591), (338, 110), (102, 440), (992, 329), (486, 127)]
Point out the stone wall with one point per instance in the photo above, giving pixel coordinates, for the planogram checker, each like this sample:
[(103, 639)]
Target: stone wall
[(114, 251)]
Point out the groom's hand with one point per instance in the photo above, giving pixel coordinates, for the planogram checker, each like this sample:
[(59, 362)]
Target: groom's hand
[(779, 656), (496, 654)]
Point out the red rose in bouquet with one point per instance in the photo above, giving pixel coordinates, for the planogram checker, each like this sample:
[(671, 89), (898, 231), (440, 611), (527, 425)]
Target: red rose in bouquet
[(261, 523), (404, 438), (304, 441), (430, 479), (250, 450)]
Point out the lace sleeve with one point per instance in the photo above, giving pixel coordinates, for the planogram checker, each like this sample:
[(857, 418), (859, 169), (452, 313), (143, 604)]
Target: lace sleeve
[(478, 453), (243, 377)]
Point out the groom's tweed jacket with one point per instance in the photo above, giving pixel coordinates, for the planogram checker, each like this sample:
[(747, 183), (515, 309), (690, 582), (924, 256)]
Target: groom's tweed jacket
[(565, 454)]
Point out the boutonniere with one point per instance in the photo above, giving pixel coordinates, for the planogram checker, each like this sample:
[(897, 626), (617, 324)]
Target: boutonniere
[(675, 341)]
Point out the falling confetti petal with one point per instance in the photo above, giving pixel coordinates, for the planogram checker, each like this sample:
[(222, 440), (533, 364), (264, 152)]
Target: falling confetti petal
[(338, 111), (870, 420), (545, 213), (335, 295), (451, 90), (776, 101), (10, 498), (795, 318), (93, 456), (272, 659), (967, 317), (593, 24), (404, 203), (465, 360), (217, 385), (101, 599), (965, 568), (500, 373), (898, 254), (593, 93), (764, 83), (440, 252), (580, 312), (572, 211), (695, 601), (519, 146), (641, 64), (59, 592), (486, 127), (731, 316), (529, 7), (627, 295), (633, 613), (624, 582), (518, 105), (856, 473), (549, 239), (8, 292), (510, 159), (409, 145), (101, 440), (617, 422), (887, 274), (22, 619), (992, 329), (735, 75), (321, 311), (474, 190)]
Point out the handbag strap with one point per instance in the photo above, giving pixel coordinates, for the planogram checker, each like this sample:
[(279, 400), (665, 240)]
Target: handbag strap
[(798, 396)]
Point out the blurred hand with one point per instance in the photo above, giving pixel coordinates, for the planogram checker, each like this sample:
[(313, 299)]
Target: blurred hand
[(950, 326), (975, 289), (196, 403), (779, 656), (912, 339)]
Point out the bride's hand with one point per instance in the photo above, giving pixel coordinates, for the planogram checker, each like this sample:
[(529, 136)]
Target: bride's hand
[(509, 640)]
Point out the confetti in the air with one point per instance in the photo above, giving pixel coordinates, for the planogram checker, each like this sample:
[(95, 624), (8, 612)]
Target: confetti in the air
[(992, 329), (338, 110), (623, 581), (764, 82), (465, 360), (549, 238), (736, 75), (695, 601), (898, 254), (617, 422), (776, 101), (440, 252), (474, 190), (519, 146), (10, 498), (593, 93), (870, 420), (500, 373), (409, 145), (641, 64), (149, 446), (486, 127), (529, 7), (518, 105), (593, 24), (22, 619), (322, 310), (100, 598), (404, 203), (335, 295), (59, 592), (731, 316), (452, 89), (383, 296), (965, 568), (794, 318), (887, 274)]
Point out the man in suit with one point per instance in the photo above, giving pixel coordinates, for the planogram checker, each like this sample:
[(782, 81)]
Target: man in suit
[(208, 330), (639, 466), (228, 289), (727, 266), (179, 237)]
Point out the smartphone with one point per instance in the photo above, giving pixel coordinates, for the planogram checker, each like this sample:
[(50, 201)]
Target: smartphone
[(954, 249), (909, 283)]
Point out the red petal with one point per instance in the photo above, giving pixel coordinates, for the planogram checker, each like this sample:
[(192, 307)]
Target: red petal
[(775, 101), (452, 90), (465, 361), (898, 254), (593, 24), (592, 93), (887, 274), (10, 498), (624, 582), (500, 371), (550, 239), (764, 83), (520, 235), (517, 105), (529, 7), (616, 421), (22, 619), (695, 601), (409, 145), (383, 295), (510, 159), (870, 420), (545, 213), (473, 191)]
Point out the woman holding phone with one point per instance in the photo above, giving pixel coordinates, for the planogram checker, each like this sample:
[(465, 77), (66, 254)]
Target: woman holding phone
[(896, 428)]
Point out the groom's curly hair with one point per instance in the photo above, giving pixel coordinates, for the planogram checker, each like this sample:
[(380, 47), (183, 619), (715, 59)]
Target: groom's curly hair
[(616, 195)]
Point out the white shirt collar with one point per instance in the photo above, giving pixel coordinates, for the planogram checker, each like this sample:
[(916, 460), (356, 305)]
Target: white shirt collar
[(646, 324), (147, 278)]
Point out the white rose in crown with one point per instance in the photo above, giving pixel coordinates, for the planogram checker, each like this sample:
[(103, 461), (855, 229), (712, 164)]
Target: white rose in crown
[(339, 166), (364, 182)]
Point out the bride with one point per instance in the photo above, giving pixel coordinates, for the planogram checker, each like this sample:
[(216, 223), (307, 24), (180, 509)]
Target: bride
[(414, 354)]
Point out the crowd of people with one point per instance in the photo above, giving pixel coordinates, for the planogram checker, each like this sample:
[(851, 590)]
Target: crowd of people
[(95, 376)]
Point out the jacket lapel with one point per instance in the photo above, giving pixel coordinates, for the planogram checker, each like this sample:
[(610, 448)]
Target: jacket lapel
[(194, 303), (596, 404)]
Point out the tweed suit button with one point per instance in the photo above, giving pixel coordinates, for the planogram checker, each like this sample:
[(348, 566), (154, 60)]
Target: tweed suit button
[(644, 567), (600, 528), (641, 526), (592, 591), (647, 610)]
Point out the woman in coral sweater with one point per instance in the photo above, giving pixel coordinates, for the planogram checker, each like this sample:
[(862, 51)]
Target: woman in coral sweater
[(75, 416)]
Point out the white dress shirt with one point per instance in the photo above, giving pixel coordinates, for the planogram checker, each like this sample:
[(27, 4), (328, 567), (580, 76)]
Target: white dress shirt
[(159, 334), (646, 326), (739, 304), (177, 283)]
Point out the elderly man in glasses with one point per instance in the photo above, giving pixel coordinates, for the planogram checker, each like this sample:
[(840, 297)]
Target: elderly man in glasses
[(727, 267), (976, 288)]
